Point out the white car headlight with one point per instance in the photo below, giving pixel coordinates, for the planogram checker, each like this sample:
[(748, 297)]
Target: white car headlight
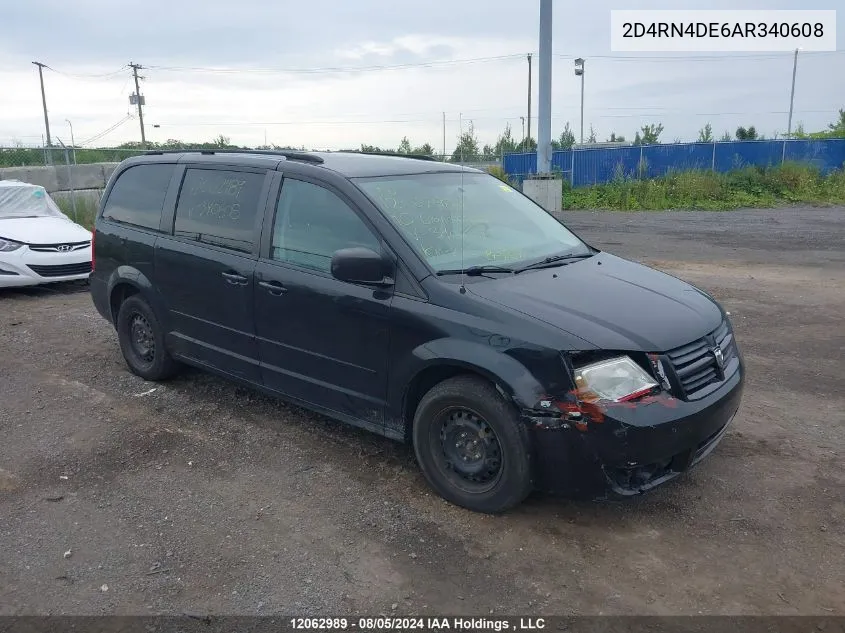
[(7, 246), (617, 379)]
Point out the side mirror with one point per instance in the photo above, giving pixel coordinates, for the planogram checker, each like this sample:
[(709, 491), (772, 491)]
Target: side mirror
[(361, 265)]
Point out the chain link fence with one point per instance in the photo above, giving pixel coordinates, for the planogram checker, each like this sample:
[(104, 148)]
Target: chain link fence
[(46, 156)]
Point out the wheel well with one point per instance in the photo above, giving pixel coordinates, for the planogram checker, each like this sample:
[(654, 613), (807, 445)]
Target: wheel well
[(119, 294), (425, 380)]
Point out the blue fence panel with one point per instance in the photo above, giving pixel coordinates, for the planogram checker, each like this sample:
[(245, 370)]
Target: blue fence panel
[(596, 165), (739, 154), (521, 164), (826, 154), (659, 160)]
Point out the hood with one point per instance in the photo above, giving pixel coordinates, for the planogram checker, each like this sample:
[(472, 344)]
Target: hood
[(43, 230), (610, 302)]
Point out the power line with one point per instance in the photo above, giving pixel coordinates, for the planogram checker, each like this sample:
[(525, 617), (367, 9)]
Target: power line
[(339, 69), (108, 130), (87, 76)]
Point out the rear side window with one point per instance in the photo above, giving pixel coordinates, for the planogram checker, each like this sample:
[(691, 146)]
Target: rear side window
[(218, 207), (138, 195)]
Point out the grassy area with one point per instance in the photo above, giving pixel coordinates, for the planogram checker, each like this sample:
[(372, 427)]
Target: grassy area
[(86, 211), (747, 187)]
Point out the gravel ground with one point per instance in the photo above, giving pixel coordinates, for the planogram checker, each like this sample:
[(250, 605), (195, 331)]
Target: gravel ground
[(123, 497)]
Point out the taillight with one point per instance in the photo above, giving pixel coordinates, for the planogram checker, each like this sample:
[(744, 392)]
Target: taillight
[(93, 233)]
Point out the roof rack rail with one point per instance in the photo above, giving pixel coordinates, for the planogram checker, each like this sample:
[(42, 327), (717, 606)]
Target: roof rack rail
[(288, 154), (385, 153)]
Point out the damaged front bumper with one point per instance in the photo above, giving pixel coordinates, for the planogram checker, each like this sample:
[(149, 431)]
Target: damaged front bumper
[(620, 449)]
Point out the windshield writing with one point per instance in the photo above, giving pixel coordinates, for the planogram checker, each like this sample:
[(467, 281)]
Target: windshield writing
[(441, 214)]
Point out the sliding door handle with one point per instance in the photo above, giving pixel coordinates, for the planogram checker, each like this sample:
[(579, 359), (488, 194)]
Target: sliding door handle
[(273, 287)]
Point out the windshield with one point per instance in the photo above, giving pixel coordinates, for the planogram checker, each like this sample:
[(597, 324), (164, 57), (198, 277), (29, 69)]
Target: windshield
[(501, 227)]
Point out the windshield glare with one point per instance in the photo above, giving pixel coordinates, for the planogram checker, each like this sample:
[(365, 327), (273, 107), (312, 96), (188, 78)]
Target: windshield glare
[(501, 227)]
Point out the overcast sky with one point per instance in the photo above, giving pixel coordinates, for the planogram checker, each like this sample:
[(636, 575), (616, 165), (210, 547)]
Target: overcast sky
[(258, 43)]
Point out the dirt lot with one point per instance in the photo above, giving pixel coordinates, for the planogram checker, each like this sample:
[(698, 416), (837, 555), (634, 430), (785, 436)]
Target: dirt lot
[(204, 497)]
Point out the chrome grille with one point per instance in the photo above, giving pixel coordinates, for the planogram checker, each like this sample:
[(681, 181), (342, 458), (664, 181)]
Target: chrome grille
[(64, 247)]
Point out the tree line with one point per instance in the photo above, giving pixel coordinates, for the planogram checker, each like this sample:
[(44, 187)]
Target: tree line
[(469, 149)]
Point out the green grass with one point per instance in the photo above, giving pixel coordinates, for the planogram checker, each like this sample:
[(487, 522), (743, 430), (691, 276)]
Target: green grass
[(86, 211), (747, 187)]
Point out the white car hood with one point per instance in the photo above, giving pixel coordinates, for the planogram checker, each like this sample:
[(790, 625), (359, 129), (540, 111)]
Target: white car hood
[(44, 230)]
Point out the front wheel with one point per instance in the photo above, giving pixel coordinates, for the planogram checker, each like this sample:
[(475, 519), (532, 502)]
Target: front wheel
[(471, 447)]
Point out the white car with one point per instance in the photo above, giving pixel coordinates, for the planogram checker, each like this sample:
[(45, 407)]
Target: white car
[(38, 243)]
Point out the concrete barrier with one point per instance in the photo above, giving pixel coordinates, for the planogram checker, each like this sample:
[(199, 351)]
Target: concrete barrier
[(59, 179)]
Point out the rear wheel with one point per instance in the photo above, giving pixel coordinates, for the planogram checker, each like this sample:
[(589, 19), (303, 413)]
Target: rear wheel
[(471, 447), (142, 341)]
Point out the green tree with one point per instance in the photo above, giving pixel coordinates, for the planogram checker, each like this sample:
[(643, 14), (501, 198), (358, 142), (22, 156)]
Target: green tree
[(746, 134), (404, 146), (705, 134), (592, 137), (424, 150), (505, 144), (467, 148), (528, 145), (726, 137), (616, 138), (567, 138), (837, 128), (650, 134)]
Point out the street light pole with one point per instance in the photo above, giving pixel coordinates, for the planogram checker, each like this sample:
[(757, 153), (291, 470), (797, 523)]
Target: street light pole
[(579, 72), (72, 142), (529, 95)]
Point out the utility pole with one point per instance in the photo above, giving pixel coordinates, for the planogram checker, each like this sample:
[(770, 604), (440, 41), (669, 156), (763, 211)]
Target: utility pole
[(72, 141), (529, 97), (135, 68), (44, 100), (544, 112), (444, 136), (791, 94)]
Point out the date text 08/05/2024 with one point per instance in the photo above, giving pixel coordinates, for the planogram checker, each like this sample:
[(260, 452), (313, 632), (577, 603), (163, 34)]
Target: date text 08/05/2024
[(417, 623)]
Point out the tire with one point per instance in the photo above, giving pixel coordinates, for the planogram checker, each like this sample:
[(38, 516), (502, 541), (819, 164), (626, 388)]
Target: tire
[(142, 341), (467, 412)]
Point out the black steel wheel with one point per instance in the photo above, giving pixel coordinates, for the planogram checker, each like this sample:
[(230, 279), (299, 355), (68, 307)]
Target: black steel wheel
[(142, 340), (471, 446), (470, 449)]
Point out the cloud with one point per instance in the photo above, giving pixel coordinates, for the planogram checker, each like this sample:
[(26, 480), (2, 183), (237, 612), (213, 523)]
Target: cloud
[(410, 77)]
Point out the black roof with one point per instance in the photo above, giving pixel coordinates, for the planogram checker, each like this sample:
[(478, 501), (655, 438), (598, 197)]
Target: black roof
[(348, 164)]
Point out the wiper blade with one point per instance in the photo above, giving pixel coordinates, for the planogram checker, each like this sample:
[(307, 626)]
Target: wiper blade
[(554, 260), (474, 271)]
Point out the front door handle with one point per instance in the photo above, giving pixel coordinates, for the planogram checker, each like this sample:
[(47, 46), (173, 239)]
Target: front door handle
[(235, 279), (273, 287)]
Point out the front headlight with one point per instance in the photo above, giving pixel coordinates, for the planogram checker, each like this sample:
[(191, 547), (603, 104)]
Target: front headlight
[(617, 379), (7, 246)]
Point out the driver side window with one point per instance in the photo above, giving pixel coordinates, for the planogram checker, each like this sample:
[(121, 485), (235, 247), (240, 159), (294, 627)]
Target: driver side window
[(312, 223)]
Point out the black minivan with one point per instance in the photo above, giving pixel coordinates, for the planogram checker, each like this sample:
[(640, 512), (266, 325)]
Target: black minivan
[(428, 302)]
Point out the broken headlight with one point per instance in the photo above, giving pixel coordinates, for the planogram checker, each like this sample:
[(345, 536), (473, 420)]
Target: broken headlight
[(617, 379)]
